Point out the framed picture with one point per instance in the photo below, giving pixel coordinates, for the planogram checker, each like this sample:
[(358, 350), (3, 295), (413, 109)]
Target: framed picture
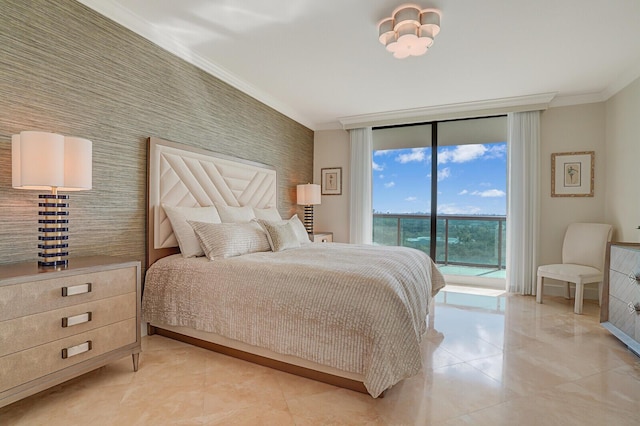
[(331, 181), (572, 174)]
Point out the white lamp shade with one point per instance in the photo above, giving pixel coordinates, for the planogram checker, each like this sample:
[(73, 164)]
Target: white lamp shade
[(42, 160), (308, 194), (78, 166), (37, 160)]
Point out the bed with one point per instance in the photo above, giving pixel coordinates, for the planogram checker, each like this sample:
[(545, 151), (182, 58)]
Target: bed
[(348, 315)]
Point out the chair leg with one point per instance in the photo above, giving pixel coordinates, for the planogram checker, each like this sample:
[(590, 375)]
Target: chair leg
[(539, 289), (600, 294), (579, 296), (567, 290)]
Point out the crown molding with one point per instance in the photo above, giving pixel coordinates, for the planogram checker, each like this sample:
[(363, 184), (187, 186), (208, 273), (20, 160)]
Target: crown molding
[(623, 81), (335, 125), (584, 98), (450, 111), (123, 16)]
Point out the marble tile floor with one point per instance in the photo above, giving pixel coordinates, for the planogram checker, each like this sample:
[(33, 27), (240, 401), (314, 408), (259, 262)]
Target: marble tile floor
[(506, 361)]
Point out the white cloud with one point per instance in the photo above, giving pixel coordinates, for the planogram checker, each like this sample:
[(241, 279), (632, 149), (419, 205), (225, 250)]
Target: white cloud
[(463, 192), (444, 173), (490, 193), (497, 151), (389, 184), (462, 154), (381, 176), (377, 167), (381, 152), (411, 199), (455, 209), (416, 154)]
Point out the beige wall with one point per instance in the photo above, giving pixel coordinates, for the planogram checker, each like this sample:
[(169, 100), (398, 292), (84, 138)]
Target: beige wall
[(67, 69), (569, 129), (331, 149), (622, 199)]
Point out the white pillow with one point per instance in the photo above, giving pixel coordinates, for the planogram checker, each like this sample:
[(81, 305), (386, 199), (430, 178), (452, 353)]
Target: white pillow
[(233, 214), (230, 239), (187, 240), (271, 214), (299, 229), (281, 235)]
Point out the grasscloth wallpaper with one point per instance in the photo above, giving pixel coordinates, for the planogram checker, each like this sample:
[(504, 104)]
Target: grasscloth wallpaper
[(64, 68)]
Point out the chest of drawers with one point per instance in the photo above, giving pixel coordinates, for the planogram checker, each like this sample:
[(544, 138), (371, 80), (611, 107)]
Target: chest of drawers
[(59, 324), (620, 313)]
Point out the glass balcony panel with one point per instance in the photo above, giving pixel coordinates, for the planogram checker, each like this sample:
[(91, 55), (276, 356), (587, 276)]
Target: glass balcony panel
[(473, 242), (385, 230), (460, 240), (414, 232)]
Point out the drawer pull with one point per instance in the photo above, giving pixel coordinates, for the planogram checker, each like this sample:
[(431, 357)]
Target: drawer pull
[(76, 289), (76, 350), (76, 319)]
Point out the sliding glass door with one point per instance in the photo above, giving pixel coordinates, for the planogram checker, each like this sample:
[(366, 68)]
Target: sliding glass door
[(458, 196), (402, 186)]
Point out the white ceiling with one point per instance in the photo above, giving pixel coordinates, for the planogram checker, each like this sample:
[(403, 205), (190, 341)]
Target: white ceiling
[(318, 61)]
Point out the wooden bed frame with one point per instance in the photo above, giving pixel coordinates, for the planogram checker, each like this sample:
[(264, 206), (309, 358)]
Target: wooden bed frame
[(185, 176)]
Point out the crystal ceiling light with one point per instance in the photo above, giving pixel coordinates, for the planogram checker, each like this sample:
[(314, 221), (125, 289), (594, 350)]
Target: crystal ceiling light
[(410, 30)]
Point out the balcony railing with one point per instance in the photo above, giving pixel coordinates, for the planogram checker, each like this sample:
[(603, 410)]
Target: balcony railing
[(478, 241)]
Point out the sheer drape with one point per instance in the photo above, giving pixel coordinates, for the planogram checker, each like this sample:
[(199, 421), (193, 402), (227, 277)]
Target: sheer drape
[(360, 206), (522, 206)]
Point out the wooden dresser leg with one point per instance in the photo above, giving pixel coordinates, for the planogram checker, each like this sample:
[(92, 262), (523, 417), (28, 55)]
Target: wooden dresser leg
[(136, 358)]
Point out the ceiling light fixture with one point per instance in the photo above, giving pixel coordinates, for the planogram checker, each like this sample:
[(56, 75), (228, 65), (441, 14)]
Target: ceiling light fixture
[(410, 30)]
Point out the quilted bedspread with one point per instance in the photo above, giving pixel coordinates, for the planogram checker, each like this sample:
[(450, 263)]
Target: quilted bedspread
[(357, 308)]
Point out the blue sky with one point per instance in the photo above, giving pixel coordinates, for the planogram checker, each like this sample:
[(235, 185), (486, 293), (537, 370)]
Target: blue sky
[(472, 179)]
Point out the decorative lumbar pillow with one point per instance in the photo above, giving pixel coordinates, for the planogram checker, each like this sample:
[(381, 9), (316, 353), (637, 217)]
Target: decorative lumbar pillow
[(299, 229), (234, 214), (271, 214), (281, 235), (187, 240), (221, 240)]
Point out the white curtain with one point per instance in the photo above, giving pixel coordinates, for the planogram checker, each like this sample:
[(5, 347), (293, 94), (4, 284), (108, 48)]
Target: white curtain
[(522, 206), (360, 206)]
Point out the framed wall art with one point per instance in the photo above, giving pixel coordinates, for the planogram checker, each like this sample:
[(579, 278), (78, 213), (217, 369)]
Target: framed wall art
[(572, 174), (331, 181)]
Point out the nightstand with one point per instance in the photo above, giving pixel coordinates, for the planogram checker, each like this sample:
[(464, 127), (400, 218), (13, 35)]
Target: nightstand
[(322, 237), (59, 324)]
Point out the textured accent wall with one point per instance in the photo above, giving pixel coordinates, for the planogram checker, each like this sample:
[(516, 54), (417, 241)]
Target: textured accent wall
[(65, 68)]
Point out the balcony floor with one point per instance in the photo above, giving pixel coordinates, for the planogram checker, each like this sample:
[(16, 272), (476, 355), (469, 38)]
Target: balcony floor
[(472, 271)]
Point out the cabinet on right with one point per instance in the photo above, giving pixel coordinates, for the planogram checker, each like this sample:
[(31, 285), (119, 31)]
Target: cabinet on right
[(620, 312)]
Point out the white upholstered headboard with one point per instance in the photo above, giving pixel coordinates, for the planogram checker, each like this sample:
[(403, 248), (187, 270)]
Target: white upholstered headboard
[(180, 175)]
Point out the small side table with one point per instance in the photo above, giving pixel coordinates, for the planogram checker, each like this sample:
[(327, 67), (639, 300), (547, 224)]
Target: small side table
[(322, 237)]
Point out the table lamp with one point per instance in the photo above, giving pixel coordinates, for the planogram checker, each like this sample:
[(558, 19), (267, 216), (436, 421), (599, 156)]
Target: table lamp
[(51, 162), (308, 195)]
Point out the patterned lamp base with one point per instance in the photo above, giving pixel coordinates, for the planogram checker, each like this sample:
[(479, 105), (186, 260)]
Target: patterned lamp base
[(53, 227), (308, 219)]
